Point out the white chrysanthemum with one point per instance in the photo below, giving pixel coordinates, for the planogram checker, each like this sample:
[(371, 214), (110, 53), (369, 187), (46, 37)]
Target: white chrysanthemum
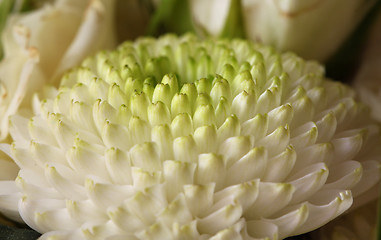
[(178, 138)]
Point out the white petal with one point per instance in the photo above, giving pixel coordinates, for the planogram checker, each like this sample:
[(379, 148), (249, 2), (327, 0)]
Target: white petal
[(232, 149), (17, 95), (304, 136), (262, 229), (39, 132), (266, 102), (19, 129), (334, 204), (9, 197), (206, 138), (280, 166), (344, 175), (146, 156), (220, 219), (288, 223), (177, 209), (144, 206), (97, 19), (186, 232), (143, 179), (35, 190), (370, 176), (211, 17), (81, 115), (102, 110), (54, 219), (118, 164), (233, 232), (139, 130), (177, 174), (161, 135), (277, 195), (211, 169), (199, 198), (314, 154), (250, 166), (230, 128), (244, 193), (303, 111), (276, 142), (85, 161), (280, 116), (44, 153), (98, 230), (346, 148), (106, 194), (125, 219), (82, 210), (156, 231), (116, 136), (185, 149), (308, 181), (63, 185), (256, 126), (242, 106), (30, 210), (326, 127)]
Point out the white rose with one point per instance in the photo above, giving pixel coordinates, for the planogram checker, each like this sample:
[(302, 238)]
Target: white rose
[(40, 45), (314, 29)]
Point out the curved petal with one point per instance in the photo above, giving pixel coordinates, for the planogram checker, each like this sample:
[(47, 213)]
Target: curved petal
[(290, 222), (323, 212), (9, 197)]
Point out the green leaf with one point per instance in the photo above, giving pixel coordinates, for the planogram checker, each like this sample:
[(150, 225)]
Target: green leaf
[(171, 16), (176, 16), (234, 24), (5, 9)]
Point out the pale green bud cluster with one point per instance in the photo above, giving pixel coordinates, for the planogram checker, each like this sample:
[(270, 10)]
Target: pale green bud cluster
[(177, 138)]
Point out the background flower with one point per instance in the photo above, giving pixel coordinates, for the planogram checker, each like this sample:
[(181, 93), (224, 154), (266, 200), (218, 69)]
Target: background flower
[(40, 45), (314, 29), (368, 78)]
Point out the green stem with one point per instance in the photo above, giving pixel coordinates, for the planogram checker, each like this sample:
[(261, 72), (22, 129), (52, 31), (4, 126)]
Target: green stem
[(5, 9)]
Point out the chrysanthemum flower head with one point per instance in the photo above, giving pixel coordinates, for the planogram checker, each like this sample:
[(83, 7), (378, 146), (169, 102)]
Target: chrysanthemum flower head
[(177, 138)]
